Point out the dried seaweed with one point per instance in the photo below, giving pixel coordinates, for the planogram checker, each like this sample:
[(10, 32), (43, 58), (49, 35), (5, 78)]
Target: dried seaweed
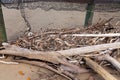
[(53, 39)]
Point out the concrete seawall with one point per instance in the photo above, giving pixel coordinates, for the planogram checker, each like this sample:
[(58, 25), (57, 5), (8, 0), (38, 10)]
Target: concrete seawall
[(40, 19)]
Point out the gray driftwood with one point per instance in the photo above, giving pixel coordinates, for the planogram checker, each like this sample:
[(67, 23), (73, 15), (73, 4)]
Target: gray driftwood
[(53, 57), (57, 57), (11, 49)]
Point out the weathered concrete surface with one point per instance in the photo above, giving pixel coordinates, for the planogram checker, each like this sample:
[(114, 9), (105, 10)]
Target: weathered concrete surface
[(39, 18)]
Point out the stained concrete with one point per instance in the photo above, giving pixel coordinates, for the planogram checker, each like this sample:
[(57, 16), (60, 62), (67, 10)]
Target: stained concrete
[(40, 19)]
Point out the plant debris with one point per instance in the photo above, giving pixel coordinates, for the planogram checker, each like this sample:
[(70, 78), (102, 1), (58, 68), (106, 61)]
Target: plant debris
[(54, 40), (43, 50)]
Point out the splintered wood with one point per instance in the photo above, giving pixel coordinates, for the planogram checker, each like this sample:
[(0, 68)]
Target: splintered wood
[(65, 51)]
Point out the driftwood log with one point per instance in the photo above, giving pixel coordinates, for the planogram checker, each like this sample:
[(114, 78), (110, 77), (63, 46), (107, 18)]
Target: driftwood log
[(11, 50), (88, 49), (97, 68), (57, 57), (52, 57)]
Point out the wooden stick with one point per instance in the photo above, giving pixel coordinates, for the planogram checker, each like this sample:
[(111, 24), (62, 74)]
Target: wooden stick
[(99, 69)]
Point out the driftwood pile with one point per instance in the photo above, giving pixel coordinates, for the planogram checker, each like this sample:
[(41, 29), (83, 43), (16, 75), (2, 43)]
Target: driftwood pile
[(63, 51)]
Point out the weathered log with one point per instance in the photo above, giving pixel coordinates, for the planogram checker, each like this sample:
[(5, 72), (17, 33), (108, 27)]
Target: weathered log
[(97, 68), (52, 57), (88, 49), (11, 49), (31, 54), (56, 56)]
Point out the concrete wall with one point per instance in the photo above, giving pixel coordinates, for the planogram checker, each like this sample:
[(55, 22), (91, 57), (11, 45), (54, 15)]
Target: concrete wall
[(41, 19)]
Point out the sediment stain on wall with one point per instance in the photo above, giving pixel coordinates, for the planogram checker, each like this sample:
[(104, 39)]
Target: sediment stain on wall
[(42, 15)]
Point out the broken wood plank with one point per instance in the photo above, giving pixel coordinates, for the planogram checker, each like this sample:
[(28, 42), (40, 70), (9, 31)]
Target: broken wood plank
[(97, 68)]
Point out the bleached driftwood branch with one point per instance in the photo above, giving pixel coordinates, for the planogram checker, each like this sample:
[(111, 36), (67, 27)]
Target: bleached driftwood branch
[(88, 49), (50, 55), (94, 35), (56, 56), (15, 50)]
